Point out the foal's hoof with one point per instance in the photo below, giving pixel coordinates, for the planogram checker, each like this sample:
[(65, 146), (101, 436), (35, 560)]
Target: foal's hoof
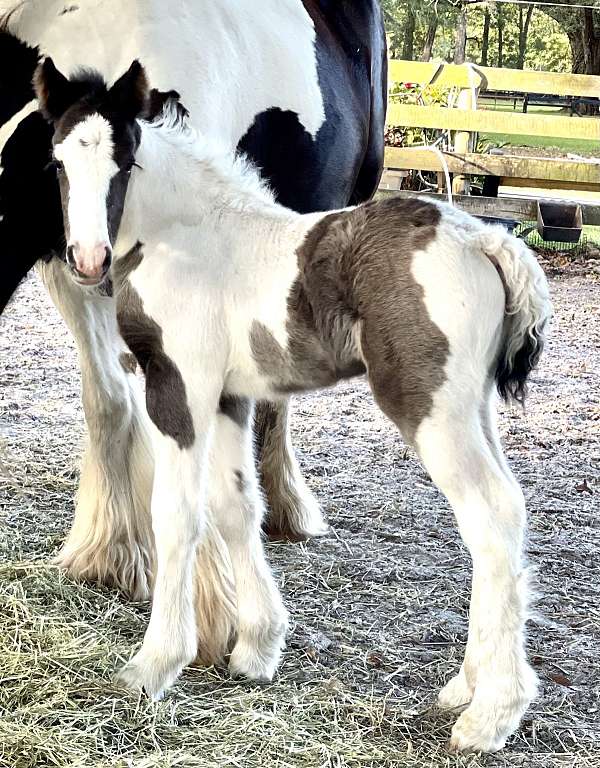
[(133, 677), (153, 674), (294, 512), (456, 693), (472, 733), (495, 712), (247, 661)]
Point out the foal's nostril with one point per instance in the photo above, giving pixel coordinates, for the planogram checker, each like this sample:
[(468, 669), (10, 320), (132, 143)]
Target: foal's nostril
[(70, 256), (107, 260)]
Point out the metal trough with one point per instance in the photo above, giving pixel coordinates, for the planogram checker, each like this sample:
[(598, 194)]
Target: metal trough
[(559, 222), (509, 224)]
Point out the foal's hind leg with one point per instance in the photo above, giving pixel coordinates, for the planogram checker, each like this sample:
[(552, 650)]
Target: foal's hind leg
[(459, 690), (490, 511), (293, 512), (238, 510)]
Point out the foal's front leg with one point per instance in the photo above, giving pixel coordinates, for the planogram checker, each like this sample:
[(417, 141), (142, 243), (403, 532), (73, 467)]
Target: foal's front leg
[(178, 521), (238, 510)]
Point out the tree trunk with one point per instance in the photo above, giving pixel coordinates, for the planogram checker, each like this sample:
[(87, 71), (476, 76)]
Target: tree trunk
[(500, 37), (460, 51), (430, 37), (485, 43), (584, 36), (585, 49), (524, 24), (590, 43), (408, 51)]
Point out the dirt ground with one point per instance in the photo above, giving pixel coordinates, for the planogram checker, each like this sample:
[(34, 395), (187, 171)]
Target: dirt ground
[(379, 608)]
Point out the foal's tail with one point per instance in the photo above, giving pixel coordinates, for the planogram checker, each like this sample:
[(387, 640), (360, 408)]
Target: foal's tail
[(528, 310)]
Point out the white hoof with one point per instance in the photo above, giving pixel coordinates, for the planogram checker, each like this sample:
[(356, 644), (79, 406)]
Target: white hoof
[(456, 693), (246, 661), (494, 714), (256, 656), (308, 518), (153, 673), (470, 734)]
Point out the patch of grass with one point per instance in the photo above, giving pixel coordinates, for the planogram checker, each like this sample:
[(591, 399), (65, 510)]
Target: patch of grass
[(592, 234), (59, 645), (565, 146)]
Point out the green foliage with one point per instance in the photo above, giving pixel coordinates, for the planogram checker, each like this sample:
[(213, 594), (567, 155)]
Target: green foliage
[(548, 46), (409, 93)]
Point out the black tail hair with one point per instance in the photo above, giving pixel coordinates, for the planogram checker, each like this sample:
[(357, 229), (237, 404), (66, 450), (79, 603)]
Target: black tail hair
[(512, 375)]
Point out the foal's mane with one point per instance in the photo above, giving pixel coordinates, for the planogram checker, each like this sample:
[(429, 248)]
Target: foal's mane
[(232, 175), (165, 109)]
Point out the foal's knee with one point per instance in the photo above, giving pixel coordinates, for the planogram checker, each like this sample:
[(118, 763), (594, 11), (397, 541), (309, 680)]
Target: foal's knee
[(181, 534), (239, 509)]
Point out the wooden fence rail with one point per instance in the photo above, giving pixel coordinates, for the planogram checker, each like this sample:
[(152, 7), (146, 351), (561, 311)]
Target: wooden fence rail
[(507, 169), (487, 121), (489, 79)]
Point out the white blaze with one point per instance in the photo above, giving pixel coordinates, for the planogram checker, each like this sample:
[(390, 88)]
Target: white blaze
[(87, 156)]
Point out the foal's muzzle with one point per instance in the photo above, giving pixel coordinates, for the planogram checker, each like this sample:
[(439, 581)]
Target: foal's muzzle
[(89, 265)]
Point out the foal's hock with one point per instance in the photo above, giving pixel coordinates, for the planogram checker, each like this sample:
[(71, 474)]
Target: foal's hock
[(435, 307)]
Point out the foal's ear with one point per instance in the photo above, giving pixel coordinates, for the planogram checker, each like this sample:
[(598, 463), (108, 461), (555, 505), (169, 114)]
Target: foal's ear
[(130, 95), (54, 92)]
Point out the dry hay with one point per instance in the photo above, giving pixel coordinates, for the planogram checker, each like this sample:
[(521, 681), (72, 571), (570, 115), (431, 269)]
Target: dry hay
[(379, 606)]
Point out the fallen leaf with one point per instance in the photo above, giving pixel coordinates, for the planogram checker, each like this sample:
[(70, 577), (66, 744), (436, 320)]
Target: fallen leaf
[(583, 487)]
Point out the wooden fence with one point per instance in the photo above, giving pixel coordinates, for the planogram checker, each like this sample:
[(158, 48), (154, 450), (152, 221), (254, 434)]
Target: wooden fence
[(466, 121)]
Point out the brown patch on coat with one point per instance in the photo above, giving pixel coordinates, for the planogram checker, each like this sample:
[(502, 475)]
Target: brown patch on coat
[(405, 351), (124, 265), (166, 397), (238, 409), (321, 348), (355, 272), (128, 362)]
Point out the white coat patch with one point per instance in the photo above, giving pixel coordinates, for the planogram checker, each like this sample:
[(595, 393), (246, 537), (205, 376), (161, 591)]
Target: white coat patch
[(87, 155)]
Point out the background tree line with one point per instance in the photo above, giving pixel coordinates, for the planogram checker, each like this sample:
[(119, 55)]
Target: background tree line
[(496, 34)]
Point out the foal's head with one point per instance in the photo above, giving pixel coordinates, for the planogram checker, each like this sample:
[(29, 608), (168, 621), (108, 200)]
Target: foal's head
[(95, 140)]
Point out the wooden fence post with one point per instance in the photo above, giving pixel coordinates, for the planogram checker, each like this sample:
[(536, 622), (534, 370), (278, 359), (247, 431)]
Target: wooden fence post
[(463, 140)]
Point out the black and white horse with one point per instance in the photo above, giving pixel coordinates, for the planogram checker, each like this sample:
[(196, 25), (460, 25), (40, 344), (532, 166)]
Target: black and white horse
[(437, 308), (301, 88)]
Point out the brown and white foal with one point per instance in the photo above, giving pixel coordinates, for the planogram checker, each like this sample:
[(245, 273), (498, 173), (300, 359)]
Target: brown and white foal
[(225, 297)]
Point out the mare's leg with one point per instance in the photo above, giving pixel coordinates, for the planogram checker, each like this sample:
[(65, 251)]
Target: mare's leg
[(111, 539), (293, 510), (489, 507), (238, 511)]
